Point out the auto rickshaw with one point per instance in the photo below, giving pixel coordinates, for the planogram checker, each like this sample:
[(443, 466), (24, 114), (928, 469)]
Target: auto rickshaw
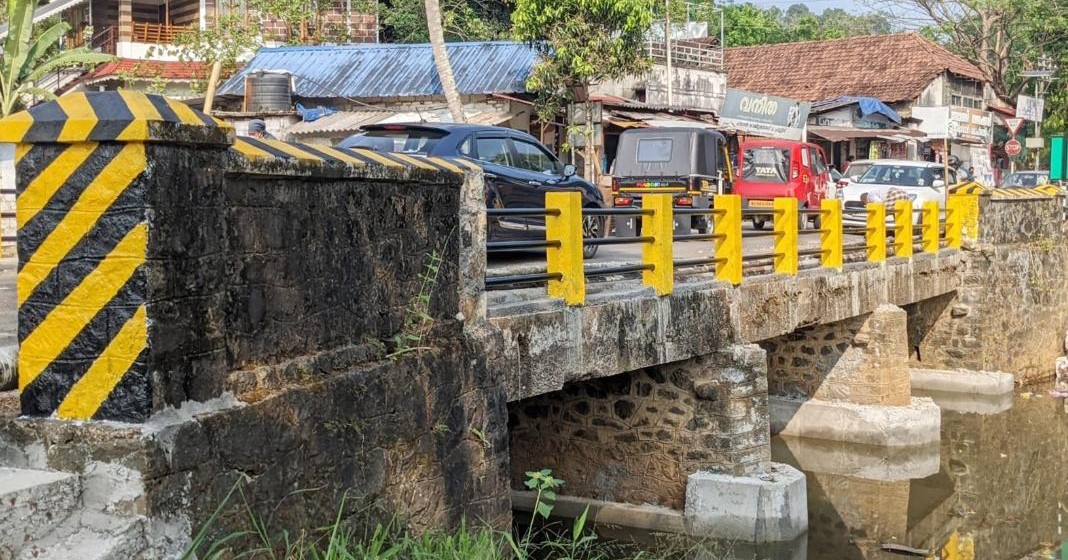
[(687, 162)]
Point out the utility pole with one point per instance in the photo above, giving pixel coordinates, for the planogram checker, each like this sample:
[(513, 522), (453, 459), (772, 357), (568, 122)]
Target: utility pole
[(667, 50), (1042, 73)]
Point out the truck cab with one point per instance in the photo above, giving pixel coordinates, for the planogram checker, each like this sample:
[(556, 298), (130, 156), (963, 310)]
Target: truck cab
[(770, 169)]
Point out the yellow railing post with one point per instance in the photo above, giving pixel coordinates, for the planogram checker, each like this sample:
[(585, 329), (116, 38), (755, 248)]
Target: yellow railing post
[(727, 232), (954, 221), (876, 232), (831, 251), (903, 228), (563, 231), (785, 222), (930, 227), (661, 227)]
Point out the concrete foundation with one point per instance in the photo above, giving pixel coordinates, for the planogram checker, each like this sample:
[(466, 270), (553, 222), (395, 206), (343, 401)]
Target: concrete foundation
[(767, 507), (891, 426), (986, 405), (857, 461), (962, 381)]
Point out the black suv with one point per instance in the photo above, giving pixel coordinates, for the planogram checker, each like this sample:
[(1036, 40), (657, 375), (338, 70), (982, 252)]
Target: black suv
[(518, 170)]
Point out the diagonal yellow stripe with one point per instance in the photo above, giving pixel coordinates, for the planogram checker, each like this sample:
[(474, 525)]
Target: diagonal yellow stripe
[(13, 128), (468, 164), (292, 150), (143, 111), (185, 113), (59, 328), (86, 211), (81, 118), (89, 392), (250, 151), (413, 161), (446, 164), (47, 182), (21, 150), (377, 157), (347, 158)]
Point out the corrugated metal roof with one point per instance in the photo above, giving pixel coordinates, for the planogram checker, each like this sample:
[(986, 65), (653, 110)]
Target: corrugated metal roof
[(393, 70), (351, 121)]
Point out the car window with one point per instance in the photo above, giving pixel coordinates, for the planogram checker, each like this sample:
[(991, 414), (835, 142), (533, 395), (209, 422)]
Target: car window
[(857, 169), (901, 175), (466, 147), (804, 157), (654, 150), (817, 162), (404, 140), (766, 165), (493, 150), (532, 157)]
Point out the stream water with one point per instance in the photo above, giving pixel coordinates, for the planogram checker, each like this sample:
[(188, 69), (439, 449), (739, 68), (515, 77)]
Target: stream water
[(994, 488)]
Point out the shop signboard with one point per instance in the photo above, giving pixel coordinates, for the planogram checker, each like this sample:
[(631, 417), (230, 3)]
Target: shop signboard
[(764, 115)]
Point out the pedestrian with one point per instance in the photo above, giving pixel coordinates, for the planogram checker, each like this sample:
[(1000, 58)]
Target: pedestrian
[(258, 129), (849, 161)]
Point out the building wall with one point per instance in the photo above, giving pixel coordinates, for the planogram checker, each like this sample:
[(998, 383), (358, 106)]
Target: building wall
[(693, 88)]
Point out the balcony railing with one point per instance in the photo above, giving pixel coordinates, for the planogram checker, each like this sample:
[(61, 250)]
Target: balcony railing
[(158, 33), (688, 54)]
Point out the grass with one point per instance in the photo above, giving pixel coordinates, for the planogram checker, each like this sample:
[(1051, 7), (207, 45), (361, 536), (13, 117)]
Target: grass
[(539, 539)]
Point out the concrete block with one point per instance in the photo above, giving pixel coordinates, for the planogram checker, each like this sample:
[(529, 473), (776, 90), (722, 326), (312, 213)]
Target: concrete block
[(966, 403), (33, 502), (893, 426), (768, 507), (962, 381)]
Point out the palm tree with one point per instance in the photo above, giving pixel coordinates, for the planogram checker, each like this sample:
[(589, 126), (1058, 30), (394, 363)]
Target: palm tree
[(441, 60), (26, 60)]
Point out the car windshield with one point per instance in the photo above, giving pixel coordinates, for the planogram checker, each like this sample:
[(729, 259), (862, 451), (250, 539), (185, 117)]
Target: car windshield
[(857, 169), (766, 165), (900, 175), (405, 140), (1024, 180)]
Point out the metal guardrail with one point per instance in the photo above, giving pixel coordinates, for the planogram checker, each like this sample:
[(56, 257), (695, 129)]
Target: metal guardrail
[(566, 274)]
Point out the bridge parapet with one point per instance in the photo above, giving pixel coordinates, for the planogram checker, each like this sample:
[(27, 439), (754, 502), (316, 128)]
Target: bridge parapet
[(159, 255)]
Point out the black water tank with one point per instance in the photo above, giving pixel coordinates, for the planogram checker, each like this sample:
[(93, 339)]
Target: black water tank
[(268, 92)]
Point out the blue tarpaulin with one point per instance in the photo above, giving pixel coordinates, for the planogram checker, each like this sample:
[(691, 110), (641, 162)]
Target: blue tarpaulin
[(868, 106)]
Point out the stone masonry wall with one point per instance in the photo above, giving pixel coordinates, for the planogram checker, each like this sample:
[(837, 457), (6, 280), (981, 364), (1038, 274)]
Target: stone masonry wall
[(636, 437), (421, 440), (1011, 310), (863, 360)]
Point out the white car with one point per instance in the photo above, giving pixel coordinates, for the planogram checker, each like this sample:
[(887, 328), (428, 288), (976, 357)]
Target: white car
[(920, 180), (854, 171)]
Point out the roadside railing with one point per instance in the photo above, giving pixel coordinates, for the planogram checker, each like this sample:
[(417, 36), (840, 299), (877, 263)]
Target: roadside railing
[(566, 271)]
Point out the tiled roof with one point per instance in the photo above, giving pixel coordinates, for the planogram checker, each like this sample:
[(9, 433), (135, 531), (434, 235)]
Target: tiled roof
[(891, 68), (149, 69)]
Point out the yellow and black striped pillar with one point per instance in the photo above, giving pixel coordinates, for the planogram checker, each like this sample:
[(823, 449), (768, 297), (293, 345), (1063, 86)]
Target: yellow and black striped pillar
[(84, 227)]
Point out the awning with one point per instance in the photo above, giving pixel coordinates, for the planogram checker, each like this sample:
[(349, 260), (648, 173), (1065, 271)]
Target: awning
[(842, 133), (637, 119), (48, 10)]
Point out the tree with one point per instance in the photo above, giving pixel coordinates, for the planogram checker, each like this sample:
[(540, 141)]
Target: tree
[(461, 20), (27, 59), (230, 38), (580, 42), (1001, 37), (747, 24), (441, 61)]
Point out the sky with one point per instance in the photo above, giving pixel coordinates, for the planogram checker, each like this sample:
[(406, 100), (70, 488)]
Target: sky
[(816, 6)]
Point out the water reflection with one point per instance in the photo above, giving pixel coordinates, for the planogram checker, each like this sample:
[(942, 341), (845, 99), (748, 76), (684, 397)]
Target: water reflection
[(994, 488)]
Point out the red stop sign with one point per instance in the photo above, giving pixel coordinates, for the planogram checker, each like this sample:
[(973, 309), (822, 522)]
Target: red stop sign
[(1013, 147)]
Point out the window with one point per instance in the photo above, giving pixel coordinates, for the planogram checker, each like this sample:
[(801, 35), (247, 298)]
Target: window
[(533, 158), (405, 140), (655, 150), (804, 157), (818, 166), (493, 150), (903, 175), (465, 147), (766, 165)]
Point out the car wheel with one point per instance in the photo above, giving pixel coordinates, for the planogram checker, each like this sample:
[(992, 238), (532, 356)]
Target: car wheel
[(758, 223), (592, 228)]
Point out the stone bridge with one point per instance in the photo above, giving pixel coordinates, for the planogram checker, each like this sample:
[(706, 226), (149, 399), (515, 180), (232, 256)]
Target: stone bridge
[(199, 312)]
